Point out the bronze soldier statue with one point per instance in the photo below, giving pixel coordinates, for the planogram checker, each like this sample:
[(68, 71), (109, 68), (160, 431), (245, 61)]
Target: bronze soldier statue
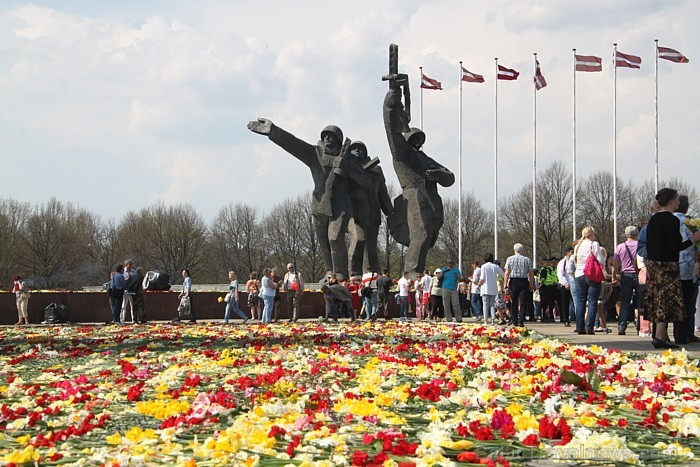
[(368, 204), (418, 212), (333, 174)]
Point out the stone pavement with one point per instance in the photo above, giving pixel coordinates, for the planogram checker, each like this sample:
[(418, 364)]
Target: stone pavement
[(630, 342)]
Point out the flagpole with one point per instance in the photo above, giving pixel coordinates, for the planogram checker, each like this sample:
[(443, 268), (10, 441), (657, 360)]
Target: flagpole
[(614, 144), (656, 116), (534, 167), (459, 205), (421, 99), (495, 165), (573, 204)]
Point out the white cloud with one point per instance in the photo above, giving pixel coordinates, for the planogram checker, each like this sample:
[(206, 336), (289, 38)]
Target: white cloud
[(156, 96)]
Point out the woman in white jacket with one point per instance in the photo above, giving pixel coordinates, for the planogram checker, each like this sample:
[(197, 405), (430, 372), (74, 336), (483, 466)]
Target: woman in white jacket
[(587, 290)]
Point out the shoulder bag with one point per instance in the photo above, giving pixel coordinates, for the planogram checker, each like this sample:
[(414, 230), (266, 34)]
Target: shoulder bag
[(367, 290), (632, 258), (183, 308), (592, 270)]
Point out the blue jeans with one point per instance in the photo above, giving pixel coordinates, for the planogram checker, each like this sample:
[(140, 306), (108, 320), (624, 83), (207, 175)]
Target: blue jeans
[(115, 304), (628, 285), (371, 305), (232, 304), (586, 291), (403, 310), (477, 305), (267, 310), (489, 306), (572, 305)]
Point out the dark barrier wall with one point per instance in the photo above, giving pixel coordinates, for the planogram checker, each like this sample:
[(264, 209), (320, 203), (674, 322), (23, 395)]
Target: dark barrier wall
[(92, 307)]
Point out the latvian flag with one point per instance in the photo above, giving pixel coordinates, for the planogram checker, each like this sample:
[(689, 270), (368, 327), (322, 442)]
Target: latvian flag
[(507, 73), (672, 55), (627, 61), (539, 78), (429, 83), (588, 63), (470, 77)]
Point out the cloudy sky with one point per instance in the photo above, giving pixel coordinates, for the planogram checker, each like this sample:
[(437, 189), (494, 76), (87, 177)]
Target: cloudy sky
[(116, 105)]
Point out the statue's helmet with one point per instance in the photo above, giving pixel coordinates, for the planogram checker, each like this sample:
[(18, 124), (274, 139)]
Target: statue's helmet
[(358, 144), (333, 130), (415, 137)]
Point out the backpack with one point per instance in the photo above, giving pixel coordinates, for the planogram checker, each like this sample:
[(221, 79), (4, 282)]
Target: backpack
[(366, 291), (107, 287), (111, 290), (593, 270)]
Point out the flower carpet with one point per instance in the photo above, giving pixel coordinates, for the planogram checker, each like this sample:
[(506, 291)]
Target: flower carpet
[(380, 394)]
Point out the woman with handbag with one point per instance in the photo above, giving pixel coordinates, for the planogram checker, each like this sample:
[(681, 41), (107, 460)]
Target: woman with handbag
[(268, 292), (186, 296), (253, 289), (437, 311), (22, 296), (231, 299), (663, 299), (590, 261), (607, 295)]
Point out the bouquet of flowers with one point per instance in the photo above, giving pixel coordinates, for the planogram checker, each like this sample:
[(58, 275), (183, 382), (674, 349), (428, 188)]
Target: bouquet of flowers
[(693, 224)]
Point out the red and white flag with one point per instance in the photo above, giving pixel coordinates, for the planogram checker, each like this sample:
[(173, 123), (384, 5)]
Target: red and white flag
[(627, 61), (507, 73), (540, 82), (470, 77), (588, 63), (672, 55), (429, 83)]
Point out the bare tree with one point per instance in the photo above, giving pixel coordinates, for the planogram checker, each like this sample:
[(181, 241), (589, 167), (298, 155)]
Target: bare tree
[(285, 229), (52, 244), (595, 206), (476, 228), (13, 217), (238, 237), (166, 238), (554, 208), (554, 213), (311, 260), (102, 246), (391, 252), (515, 223), (60, 245)]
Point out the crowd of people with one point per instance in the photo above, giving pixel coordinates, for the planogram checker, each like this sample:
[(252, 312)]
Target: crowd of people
[(650, 280), (125, 294)]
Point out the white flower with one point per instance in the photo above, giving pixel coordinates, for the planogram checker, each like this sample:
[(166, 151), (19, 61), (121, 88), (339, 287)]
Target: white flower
[(674, 450), (591, 446), (688, 424), (551, 405)]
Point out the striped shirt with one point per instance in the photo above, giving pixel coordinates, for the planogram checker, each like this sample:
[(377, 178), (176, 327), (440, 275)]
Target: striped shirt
[(519, 266)]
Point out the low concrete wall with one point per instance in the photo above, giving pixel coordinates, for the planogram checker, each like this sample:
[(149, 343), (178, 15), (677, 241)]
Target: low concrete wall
[(91, 307)]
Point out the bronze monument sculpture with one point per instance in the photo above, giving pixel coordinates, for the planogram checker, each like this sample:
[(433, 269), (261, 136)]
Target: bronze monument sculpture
[(334, 174), (367, 204), (418, 212), (350, 190)]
